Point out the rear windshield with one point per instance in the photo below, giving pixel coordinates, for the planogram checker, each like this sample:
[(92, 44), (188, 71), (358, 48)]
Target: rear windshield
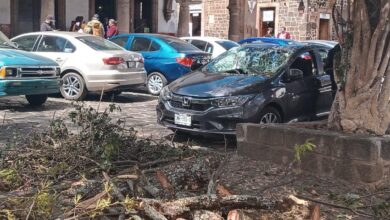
[(179, 45), (98, 43), (227, 44)]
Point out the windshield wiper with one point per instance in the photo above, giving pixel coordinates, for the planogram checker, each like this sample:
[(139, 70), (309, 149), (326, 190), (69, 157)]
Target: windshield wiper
[(236, 71)]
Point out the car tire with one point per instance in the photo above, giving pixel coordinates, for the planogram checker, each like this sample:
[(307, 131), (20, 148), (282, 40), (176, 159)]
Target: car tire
[(36, 100), (270, 115), (156, 81), (73, 87)]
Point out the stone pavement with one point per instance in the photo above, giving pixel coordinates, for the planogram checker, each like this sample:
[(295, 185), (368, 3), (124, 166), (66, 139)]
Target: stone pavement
[(18, 118)]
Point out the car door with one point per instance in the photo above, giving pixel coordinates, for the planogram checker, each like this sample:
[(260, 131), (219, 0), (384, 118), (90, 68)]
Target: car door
[(149, 50), (56, 48), (28, 42), (300, 95), (324, 83)]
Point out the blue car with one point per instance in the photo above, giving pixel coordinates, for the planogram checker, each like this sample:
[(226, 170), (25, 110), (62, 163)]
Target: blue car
[(166, 58), (269, 40), (24, 73)]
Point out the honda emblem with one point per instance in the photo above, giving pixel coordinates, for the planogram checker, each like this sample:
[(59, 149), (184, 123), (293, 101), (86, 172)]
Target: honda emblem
[(186, 101)]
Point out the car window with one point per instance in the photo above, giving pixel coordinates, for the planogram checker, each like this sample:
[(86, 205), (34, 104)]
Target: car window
[(52, 44), (26, 42), (251, 60), (179, 45), (69, 47), (98, 43), (199, 44), (324, 56), (227, 44), (209, 48), (140, 44), (306, 63), (121, 41)]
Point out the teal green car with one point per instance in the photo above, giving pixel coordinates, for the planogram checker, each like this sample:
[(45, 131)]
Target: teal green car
[(24, 73)]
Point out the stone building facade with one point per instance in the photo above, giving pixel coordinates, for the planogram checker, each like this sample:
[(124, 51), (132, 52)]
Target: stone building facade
[(156, 16), (255, 16)]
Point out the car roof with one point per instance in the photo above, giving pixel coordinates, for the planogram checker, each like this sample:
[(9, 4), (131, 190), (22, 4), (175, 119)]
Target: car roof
[(58, 33), (267, 40), (328, 43), (298, 46), (147, 35), (205, 38)]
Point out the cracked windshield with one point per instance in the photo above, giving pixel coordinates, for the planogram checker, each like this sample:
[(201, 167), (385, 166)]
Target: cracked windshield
[(263, 61)]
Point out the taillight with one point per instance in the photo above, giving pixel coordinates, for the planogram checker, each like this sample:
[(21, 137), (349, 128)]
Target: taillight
[(137, 58), (113, 60), (185, 61)]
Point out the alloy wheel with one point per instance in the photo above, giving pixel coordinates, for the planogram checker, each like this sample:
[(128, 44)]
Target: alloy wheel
[(269, 118), (71, 86), (155, 84)]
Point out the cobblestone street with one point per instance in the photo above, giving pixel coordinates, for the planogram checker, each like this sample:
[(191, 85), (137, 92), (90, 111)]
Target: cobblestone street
[(18, 118)]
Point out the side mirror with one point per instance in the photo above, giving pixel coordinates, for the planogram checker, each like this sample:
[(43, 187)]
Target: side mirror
[(295, 74), (16, 45)]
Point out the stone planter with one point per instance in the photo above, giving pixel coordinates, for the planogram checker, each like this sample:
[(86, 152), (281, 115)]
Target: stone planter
[(355, 158)]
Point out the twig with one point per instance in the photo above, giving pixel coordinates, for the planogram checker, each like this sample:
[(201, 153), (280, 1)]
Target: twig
[(336, 206), (157, 162), (152, 212), (93, 161), (115, 189), (30, 209)]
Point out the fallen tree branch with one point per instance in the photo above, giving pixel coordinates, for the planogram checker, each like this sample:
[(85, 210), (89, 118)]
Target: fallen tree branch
[(152, 212), (158, 162)]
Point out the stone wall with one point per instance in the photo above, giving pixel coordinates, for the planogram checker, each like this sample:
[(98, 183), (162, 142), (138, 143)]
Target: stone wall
[(354, 158), (216, 18)]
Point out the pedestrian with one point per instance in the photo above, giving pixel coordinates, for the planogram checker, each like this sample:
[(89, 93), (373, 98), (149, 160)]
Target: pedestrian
[(48, 24), (270, 32), (95, 27), (112, 29), (284, 34), (77, 26)]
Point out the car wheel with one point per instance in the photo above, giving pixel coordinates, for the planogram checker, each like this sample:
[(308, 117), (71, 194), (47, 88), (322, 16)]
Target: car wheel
[(36, 100), (73, 87), (270, 115), (155, 83)]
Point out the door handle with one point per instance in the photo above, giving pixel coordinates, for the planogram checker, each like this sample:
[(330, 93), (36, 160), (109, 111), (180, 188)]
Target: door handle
[(59, 60)]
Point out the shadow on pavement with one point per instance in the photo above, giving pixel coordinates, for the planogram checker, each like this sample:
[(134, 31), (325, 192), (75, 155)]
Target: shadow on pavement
[(122, 98), (21, 105)]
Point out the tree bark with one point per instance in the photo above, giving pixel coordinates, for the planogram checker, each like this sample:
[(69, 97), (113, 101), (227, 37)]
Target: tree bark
[(362, 105)]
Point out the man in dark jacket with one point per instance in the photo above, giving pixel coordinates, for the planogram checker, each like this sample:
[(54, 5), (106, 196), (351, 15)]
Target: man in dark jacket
[(48, 24)]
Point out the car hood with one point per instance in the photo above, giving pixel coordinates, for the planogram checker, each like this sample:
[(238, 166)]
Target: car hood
[(204, 85), (11, 57)]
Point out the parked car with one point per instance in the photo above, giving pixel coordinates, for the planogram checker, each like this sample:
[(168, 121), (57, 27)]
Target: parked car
[(259, 83), (23, 73), (327, 43), (270, 40), (212, 45), (166, 58), (88, 63)]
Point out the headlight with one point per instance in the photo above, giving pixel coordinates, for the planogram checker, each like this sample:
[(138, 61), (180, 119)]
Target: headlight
[(231, 101), (165, 94), (8, 72)]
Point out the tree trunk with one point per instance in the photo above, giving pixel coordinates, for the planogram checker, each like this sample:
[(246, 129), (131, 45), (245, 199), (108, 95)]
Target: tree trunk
[(362, 104)]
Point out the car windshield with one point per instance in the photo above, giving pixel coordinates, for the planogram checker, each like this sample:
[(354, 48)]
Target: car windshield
[(179, 45), (263, 61), (227, 44), (5, 42), (98, 43)]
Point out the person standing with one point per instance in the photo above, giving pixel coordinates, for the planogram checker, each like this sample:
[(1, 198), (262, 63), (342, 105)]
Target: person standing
[(112, 29), (95, 27), (48, 24), (284, 34), (270, 32)]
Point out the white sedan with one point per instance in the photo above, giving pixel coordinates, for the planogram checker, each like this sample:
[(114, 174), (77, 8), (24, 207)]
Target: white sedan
[(212, 45), (88, 63)]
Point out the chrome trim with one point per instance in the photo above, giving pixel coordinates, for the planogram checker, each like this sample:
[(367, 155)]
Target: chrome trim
[(322, 114), (50, 73)]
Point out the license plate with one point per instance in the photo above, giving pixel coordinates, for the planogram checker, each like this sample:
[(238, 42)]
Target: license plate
[(183, 119), (131, 64)]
